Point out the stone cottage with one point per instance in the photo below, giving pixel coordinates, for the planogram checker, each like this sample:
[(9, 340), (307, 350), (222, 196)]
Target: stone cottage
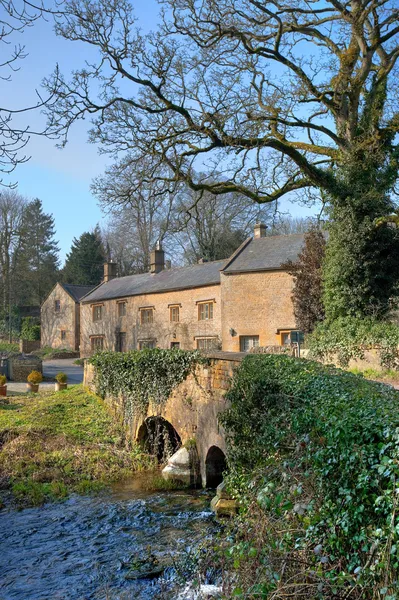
[(232, 304), (60, 316)]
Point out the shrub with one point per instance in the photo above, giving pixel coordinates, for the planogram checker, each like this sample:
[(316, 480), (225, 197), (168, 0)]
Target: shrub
[(315, 450), (35, 377), (30, 329), (142, 376), (348, 338), (61, 377), (3, 380)]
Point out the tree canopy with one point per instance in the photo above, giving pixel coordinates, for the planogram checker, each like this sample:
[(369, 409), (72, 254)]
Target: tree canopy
[(275, 97), (84, 264)]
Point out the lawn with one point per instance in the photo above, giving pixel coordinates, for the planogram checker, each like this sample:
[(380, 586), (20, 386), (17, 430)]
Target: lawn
[(52, 445)]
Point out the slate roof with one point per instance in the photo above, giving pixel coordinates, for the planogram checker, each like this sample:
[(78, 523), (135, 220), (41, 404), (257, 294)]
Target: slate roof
[(265, 254), (77, 291), (169, 280)]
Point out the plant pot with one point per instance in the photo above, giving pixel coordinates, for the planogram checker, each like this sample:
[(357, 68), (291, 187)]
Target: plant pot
[(3, 391), (60, 386), (33, 387)]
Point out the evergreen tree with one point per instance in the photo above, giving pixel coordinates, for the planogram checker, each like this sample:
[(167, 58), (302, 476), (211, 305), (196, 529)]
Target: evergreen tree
[(307, 274), (84, 263), (39, 267)]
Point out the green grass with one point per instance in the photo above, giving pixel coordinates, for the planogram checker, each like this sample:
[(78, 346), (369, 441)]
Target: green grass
[(62, 442), (377, 375)]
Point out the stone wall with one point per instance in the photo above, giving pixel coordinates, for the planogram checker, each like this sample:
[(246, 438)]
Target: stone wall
[(54, 322), (162, 330), (19, 366), (28, 346), (193, 406), (256, 304)]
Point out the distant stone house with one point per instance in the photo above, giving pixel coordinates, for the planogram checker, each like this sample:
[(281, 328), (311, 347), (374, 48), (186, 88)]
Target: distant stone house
[(232, 304), (60, 316)]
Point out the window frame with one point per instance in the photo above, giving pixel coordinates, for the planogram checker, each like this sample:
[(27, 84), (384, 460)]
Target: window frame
[(94, 308), (63, 335), (172, 309), (57, 306), (146, 310), (93, 339), (122, 306), (249, 337), (201, 308), (150, 344), (200, 339)]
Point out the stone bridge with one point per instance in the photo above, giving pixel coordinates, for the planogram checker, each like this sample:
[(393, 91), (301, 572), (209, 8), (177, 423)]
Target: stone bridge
[(189, 417)]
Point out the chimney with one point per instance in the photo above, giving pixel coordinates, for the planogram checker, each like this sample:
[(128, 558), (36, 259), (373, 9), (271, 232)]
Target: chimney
[(259, 230), (201, 261), (109, 271), (157, 259)]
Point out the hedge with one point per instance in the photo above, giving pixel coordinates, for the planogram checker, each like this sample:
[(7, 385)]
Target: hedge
[(314, 450)]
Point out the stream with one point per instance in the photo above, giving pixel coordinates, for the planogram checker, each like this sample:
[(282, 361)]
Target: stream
[(90, 547)]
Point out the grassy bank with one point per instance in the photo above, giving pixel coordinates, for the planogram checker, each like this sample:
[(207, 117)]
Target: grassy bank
[(65, 442)]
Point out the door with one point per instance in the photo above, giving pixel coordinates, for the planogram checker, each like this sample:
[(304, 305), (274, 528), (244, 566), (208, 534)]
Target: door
[(121, 342)]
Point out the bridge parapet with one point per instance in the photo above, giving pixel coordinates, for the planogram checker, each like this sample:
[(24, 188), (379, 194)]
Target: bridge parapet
[(192, 408)]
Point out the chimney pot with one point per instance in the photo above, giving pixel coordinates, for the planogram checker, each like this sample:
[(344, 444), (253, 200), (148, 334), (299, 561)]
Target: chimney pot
[(109, 271), (260, 230)]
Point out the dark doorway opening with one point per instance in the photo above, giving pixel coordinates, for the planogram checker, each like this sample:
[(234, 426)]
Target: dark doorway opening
[(215, 465), (159, 438)]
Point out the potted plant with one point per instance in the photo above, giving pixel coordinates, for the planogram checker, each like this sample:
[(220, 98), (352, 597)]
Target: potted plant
[(3, 386), (34, 378), (61, 381)]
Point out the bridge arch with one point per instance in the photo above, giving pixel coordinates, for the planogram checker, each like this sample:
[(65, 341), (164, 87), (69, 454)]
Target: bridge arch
[(158, 437), (215, 465)]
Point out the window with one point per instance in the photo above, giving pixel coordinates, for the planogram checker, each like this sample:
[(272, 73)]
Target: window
[(63, 335), (57, 305), (286, 337), (147, 315), (97, 312), (97, 343), (207, 343), (247, 342), (121, 341), (205, 311), (147, 344), (175, 345), (121, 309), (175, 314)]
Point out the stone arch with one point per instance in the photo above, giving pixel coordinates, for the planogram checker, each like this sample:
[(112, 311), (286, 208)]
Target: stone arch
[(158, 437), (215, 465)]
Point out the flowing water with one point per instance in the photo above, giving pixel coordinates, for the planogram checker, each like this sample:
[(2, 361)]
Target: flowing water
[(89, 548)]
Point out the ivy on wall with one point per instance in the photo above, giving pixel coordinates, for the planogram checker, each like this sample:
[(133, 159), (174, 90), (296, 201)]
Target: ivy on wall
[(347, 338), (142, 377)]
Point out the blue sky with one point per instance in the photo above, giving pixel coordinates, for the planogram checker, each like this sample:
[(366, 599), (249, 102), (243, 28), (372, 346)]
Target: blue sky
[(61, 178)]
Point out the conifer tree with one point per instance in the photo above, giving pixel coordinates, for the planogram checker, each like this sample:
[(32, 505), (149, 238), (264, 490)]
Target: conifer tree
[(84, 263), (39, 269)]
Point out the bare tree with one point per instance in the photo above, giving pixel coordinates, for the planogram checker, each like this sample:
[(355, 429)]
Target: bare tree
[(212, 227), (17, 15), (140, 213), (273, 96), (12, 212)]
